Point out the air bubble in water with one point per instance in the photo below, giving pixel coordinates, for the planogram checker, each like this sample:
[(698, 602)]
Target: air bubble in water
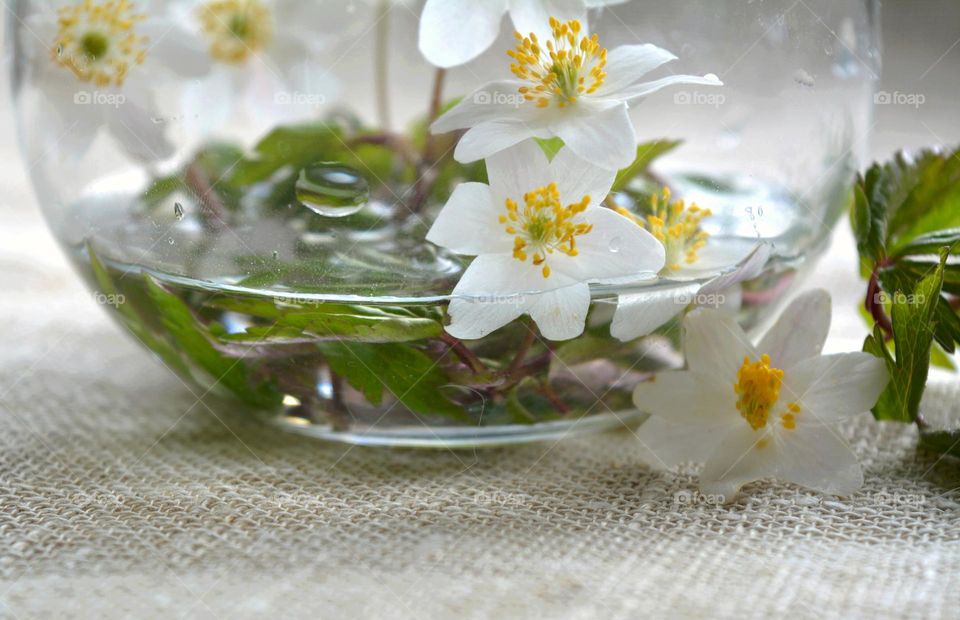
[(332, 189)]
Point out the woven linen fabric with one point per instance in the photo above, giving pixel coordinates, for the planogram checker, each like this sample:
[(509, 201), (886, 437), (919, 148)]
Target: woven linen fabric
[(123, 494)]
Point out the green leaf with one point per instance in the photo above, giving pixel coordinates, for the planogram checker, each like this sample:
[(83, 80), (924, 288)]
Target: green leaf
[(194, 343), (913, 316), (918, 268), (161, 189), (550, 146), (646, 154), (931, 243), (869, 222), (941, 442), (947, 324), (371, 324), (133, 318), (903, 199), (295, 145), (408, 373), (940, 359), (933, 202)]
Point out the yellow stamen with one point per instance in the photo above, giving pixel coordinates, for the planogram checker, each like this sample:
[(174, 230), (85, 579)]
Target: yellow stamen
[(789, 418), (565, 68), (97, 41), (236, 29), (677, 226), (758, 390), (544, 226)]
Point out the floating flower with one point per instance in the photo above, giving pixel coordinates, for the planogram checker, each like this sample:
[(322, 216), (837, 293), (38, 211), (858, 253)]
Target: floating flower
[(263, 56), (453, 32), (539, 236), (761, 412), (568, 87), (105, 60), (696, 271)]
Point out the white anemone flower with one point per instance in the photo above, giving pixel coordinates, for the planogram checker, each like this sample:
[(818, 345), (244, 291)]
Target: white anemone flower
[(568, 87), (698, 269), (263, 54), (99, 64), (453, 32), (539, 236), (753, 413)]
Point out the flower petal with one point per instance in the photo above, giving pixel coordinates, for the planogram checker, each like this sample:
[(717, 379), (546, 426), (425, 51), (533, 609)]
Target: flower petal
[(614, 247), (646, 88), (141, 138), (831, 387), (501, 276), (561, 314), (491, 102), (668, 444), (471, 319), (641, 313), (534, 15), (468, 223), (517, 170), (604, 137), (817, 458), (742, 456), (688, 398), (489, 138), (801, 330), (577, 178), (628, 63), (747, 267), (174, 48), (714, 344), (453, 32)]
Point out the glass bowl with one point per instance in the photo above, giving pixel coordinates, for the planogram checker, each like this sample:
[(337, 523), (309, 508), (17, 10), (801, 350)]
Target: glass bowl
[(248, 186)]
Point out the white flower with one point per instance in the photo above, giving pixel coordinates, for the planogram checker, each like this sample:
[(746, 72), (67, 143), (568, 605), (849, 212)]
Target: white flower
[(98, 65), (540, 235), (263, 53), (453, 32), (697, 271), (569, 87), (761, 412)]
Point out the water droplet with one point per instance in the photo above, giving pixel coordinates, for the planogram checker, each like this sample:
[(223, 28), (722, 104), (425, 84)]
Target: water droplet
[(803, 78), (59, 50), (615, 244), (178, 210), (332, 189), (276, 255), (171, 241)]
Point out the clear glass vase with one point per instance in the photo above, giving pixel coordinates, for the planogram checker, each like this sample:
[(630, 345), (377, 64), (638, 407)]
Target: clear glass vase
[(249, 185)]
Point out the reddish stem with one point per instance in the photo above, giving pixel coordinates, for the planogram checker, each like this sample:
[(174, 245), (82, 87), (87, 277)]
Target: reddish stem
[(874, 305)]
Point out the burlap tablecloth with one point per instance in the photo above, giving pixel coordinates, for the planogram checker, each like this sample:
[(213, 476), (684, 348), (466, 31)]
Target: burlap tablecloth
[(124, 495)]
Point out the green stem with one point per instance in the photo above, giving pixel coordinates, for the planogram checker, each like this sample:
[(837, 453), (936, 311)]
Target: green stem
[(466, 355), (521, 355), (382, 64)]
